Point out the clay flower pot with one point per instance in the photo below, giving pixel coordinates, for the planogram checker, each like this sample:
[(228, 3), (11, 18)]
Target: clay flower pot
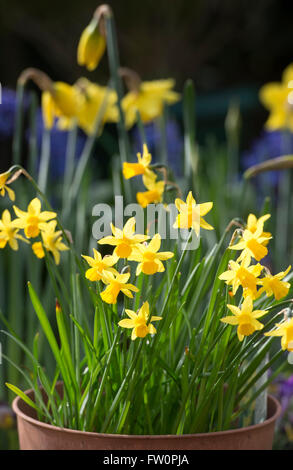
[(35, 435)]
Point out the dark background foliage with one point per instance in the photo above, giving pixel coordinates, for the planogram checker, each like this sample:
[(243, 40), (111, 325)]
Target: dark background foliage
[(218, 43), (228, 47)]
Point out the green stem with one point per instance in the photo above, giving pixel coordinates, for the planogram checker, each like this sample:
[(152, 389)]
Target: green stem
[(114, 64), (45, 160), (121, 389), (18, 129), (103, 381), (69, 162), (171, 287), (84, 159)]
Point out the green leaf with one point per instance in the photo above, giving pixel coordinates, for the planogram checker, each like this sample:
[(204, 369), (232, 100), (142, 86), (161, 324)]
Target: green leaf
[(23, 396), (45, 324)]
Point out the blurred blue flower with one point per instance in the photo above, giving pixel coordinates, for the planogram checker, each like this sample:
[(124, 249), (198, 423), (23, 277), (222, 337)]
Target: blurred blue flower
[(283, 389), (286, 387), (7, 112), (268, 145), (154, 137)]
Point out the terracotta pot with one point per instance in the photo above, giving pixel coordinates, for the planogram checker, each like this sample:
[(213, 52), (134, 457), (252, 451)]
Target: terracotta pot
[(35, 435)]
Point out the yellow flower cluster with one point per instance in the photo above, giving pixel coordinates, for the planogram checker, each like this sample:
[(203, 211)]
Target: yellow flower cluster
[(83, 101), (254, 279), (137, 247), (35, 223), (133, 247)]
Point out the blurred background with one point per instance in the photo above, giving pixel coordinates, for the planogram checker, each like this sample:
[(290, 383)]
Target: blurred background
[(228, 48)]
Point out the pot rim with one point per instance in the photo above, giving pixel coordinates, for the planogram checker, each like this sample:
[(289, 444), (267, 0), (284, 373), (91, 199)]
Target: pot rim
[(19, 413)]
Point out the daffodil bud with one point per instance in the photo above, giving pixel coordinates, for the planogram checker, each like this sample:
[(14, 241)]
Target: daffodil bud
[(91, 47), (58, 307), (92, 43)]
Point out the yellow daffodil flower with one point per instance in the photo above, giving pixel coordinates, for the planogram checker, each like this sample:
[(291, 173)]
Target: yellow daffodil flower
[(242, 275), (141, 168), (63, 101), (139, 322), (98, 265), (33, 220), (252, 244), (155, 192), (9, 232), (245, 318), (95, 98), (285, 330), (149, 100), (116, 284), (91, 46), (191, 214), (253, 224), (278, 99), (52, 240), (273, 285), (149, 258), (38, 250), (3, 186), (124, 240)]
